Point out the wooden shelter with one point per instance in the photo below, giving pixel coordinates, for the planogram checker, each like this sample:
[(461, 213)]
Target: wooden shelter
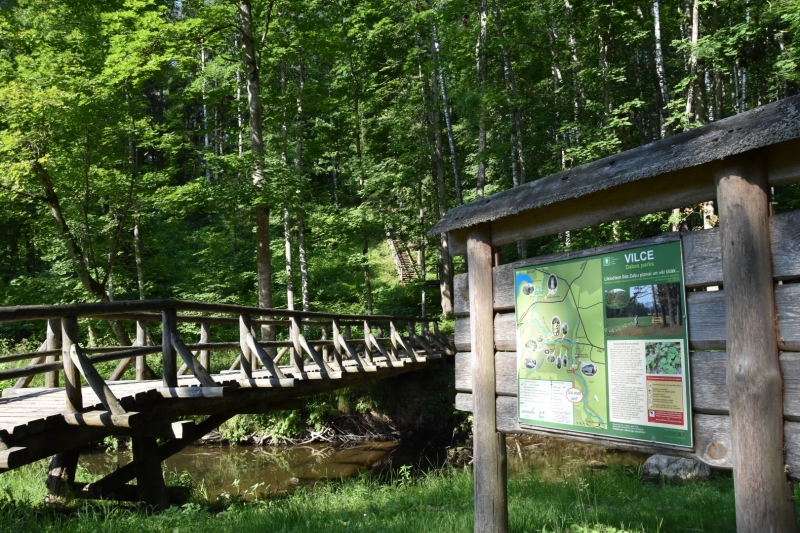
[(745, 399)]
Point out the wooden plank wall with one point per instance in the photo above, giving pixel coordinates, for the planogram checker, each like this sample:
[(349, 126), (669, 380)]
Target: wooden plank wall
[(706, 322)]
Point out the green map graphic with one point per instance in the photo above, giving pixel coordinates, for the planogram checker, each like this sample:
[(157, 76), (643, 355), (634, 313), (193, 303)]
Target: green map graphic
[(560, 323)]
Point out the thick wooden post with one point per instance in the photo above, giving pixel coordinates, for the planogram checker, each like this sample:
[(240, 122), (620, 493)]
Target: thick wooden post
[(141, 340), (149, 477), (53, 343), (205, 355), (764, 497), (296, 351), (72, 377), (169, 357), (246, 367), (491, 505), (61, 475)]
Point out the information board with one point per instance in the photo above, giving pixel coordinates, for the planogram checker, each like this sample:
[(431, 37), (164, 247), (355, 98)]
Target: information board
[(602, 345)]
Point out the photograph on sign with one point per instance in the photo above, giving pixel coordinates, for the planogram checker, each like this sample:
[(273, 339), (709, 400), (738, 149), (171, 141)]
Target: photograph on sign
[(602, 345)]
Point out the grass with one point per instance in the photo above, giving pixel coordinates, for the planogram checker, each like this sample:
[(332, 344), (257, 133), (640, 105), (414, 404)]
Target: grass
[(623, 327), (587, 501)]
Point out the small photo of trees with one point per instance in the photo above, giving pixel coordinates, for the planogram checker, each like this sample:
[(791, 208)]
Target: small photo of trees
[(650, 310)]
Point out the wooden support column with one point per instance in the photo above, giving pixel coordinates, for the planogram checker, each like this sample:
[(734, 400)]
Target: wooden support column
[(764, 496), (149, 477), (72, 377), (169, 357), (246, 368), (141, 340), (491, 505), (296, 352), (61, 475), (205, 337), (53, 343)]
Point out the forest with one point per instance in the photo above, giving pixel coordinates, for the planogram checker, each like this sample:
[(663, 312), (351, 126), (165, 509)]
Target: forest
[(262, 151)]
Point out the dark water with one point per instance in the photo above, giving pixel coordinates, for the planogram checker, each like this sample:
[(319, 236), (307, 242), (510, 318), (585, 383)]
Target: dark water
[(249, 471)]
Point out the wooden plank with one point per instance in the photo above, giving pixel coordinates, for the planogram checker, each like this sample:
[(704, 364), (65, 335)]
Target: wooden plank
[(103, 419), (764, 500), (706, 319), (708, 369), (266, 383), (702, 260), (194, 365), (195, 392), (712, 441), (491, 500), (678, 157), (72, 377), (96, 382)]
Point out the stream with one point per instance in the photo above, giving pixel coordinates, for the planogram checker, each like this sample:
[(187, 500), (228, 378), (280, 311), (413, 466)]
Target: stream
[(248, 471)]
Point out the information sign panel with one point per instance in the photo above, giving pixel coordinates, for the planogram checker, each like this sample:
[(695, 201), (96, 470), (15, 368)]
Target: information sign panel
[(602, 345)]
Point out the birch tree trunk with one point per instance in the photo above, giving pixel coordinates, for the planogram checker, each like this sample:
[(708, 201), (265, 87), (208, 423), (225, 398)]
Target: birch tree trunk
[(298, 163), (660, 72), (480, 59), (448, 122)]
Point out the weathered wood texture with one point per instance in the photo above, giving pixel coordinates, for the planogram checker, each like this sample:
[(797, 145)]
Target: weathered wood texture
[(764, 498), (658, 176), (709, 384), (712, 436), (491, 505), (701, 252), (72, 377), (706, 319)]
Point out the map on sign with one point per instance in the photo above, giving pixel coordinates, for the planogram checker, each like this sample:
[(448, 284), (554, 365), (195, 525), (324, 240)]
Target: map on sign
[(602, 345), (561, 333)]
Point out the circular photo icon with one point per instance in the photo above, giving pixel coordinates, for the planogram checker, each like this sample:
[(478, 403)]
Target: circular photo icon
[(539, 338), (617, 298), (528, 289), (558, 363), (547, 351), (556, 326), (531, 345), (564, 329), (551, 358), (552, 284), (530, 362), (589, 369)]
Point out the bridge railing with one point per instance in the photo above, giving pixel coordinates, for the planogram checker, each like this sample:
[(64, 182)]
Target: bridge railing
[(328, 357)]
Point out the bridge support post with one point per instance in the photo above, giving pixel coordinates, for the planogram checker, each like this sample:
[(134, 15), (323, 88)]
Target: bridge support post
[(491, 505), (72, 377), (764, 496), (169, 359), (61, 475), (149, 477), (53, 343)]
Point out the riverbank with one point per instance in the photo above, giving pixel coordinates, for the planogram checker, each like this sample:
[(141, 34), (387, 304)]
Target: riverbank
[(614, 500)]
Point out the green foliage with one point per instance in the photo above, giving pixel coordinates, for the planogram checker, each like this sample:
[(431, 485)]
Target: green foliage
[(663, 357)]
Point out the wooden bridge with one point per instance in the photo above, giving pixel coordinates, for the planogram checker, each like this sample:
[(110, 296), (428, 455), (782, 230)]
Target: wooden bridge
[(56, 421)]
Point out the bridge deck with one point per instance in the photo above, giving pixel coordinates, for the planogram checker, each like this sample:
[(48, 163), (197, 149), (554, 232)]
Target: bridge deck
[(34, 422)]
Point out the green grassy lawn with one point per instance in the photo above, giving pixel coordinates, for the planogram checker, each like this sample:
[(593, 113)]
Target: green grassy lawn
[(623, 327), (612, 500)]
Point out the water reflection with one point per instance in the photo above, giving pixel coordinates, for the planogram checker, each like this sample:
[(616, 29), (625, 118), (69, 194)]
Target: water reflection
[(248, 471)]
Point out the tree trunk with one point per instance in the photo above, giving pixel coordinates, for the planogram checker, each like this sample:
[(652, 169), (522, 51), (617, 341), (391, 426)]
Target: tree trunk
[(447, 120), (365, 262), (660, 72), (287, 239), (298, 163), (255, 108), (691, 95), (480, 58)]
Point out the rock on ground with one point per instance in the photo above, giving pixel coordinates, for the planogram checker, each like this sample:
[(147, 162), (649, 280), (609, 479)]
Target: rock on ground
[(675, 468)]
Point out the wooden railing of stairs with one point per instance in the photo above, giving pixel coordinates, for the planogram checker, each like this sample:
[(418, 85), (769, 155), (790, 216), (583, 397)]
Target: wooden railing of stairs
[(36, 423)]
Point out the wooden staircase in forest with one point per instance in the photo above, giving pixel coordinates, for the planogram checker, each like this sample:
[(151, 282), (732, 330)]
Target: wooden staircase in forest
[(403, 261)]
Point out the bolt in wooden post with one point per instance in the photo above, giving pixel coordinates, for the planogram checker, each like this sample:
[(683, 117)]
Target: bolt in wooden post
[(491, 505), (72, 376), (141, 340), (205, 336), (53, 343), (246, 368), (764, 496), (169, 357)]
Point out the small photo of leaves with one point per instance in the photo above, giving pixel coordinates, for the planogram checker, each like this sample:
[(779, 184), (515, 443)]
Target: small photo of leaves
[(663, 357)]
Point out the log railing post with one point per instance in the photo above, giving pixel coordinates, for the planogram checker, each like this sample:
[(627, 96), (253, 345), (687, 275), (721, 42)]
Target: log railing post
[(491, 505), (205, 337), (324, 336), (53, 343), (169, 357), (367, 342), (764, 497), (141, 340), (296, 352), (246, 367), (72, 377), (393, 337), (336, 334)]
